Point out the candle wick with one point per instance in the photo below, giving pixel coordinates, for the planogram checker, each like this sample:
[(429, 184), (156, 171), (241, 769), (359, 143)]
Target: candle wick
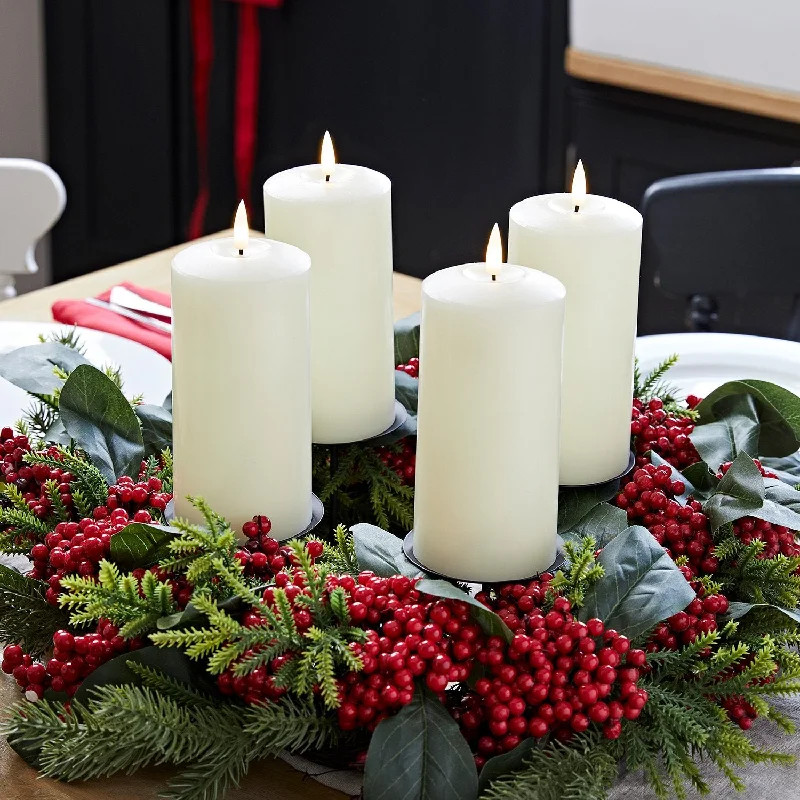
[(327, 179), (241, 252), (494, 277), (577, 208)]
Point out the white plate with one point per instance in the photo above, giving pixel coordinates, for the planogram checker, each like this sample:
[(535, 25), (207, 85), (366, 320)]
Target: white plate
[(144, 371), (707, 360)]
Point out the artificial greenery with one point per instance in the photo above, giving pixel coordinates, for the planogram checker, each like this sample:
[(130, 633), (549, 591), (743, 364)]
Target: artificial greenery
[(652, 385)]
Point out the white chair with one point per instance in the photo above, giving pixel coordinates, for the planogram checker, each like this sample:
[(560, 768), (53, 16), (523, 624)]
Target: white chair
[(32, 198)]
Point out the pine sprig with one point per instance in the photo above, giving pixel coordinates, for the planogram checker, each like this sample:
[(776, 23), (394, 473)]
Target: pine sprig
[(26, 618), (650, 386), (585, 769), (87, 478), (582, 571), (206, 555), (340, 558), (135, 605), (318, 654)]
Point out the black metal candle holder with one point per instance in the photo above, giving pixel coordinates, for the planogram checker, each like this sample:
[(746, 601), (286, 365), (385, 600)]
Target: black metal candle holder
[(408, 550), (631, 464)]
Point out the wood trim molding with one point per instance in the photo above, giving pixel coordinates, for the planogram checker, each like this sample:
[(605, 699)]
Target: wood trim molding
[(682, 85)]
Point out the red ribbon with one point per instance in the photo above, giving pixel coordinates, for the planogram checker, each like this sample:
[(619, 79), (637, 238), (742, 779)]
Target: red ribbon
[(203, 49)]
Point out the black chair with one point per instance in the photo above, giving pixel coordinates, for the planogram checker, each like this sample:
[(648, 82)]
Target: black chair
[(725, 233)]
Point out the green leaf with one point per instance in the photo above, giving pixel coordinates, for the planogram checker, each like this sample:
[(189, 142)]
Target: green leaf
[(420, 754), (641, 586), (167, 404), (140, 545), (575, 503), (787, 468), (99, 418), (406, 390), (406, 339), (703, 480), (656, 459), (778, 412), (500, 766), (602, 523), (736, 430), (156, 428), (487, 619), (382, 552), (737, 610), (170, 661), (739, 494), (32, 368)]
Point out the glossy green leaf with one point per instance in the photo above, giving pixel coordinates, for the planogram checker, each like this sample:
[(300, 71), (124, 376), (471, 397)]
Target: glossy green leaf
[(487, 619), (167, 404), (778, 412), (575, 503), (500, 766), (382, 552), (420, 754), (602, 523), (406, 339), (99, 418), (641, 586), (787, 468), (140, 545), (31, 368), (736, 429), (156, 424), (739, 494)]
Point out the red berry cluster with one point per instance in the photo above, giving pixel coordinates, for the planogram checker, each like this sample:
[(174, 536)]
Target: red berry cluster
[(653, 429), (778, 540), (649, 500), (411, 368), (404, 462), (699, 618), (262, 556), (557, 676), (412, 635), (78, 547), (73, 658), (134, 496)]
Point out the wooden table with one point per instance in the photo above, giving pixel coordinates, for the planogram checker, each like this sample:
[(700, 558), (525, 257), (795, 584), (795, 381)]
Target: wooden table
[(268, 780)]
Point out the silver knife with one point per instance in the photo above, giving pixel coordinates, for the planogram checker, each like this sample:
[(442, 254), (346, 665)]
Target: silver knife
[(121, 296), (157, 324)]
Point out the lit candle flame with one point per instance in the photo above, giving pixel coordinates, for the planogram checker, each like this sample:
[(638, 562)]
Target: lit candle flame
[(578, 185), (327, 156), (494, 252), (241, 230)]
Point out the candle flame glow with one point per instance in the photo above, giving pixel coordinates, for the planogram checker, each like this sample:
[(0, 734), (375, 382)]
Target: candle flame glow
[(241, 230), (327, 156), (579, 184), (494, 252)]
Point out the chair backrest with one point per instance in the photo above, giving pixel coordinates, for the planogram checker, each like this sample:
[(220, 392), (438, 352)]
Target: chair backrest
[(32, 198), (724, 233)]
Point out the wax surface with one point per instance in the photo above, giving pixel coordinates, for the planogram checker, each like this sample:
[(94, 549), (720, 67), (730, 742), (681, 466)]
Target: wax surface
[(595, 253), (487, 448), (241, 382), (345, 226)]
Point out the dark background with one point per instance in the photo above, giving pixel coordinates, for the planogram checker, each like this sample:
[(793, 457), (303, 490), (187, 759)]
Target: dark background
[(463, 103)]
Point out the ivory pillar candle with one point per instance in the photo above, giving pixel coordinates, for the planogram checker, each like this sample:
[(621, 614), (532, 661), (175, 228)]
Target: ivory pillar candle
[(340, 215), (595, 252), (487, 440), (241, 380)]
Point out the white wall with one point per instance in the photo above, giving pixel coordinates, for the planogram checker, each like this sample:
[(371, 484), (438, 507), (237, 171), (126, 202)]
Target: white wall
[(23, 121), (749, 41)]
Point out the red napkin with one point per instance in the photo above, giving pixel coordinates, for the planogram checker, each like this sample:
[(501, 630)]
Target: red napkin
[(78, 312)]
